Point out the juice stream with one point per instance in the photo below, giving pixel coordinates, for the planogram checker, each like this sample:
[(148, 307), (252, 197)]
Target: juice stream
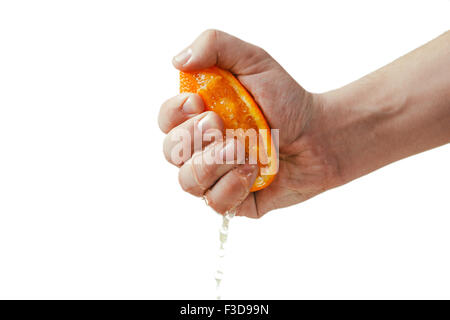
[(223, 235)]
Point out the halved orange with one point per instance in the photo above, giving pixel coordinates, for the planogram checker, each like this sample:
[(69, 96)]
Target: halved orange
[(225, 95)]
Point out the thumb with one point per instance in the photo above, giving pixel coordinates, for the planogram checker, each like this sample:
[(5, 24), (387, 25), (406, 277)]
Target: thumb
[(218, 48)]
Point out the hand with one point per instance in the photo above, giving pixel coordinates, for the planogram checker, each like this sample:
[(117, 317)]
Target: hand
[(306, 168), (326, 139)]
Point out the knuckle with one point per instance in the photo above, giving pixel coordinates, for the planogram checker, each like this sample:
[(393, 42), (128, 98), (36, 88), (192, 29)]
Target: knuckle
[(210, 34), (181, 180), (263, 55), (162, 125), (262, 51), (186, 185), (211, 37), (162, 118), (189, 180), (169, 151), (168, 112), (203, 172), (166, 149), (170, 159), (260, 55)]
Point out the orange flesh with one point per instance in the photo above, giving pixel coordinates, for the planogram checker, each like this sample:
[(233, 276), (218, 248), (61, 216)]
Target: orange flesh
[(224, 94)]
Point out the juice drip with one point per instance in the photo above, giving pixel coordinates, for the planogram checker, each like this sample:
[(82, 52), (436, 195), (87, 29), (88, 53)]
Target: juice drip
[(223, 235)]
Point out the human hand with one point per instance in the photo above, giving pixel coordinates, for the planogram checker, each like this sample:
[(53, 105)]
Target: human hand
[(305, 167)]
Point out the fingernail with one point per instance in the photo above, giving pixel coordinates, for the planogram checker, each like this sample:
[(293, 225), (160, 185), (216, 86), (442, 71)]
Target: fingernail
[(206, 123), (190, 107), (247, 170), (183, 57)]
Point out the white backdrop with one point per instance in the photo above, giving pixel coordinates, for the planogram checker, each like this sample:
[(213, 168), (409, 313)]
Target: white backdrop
[(90, 209)]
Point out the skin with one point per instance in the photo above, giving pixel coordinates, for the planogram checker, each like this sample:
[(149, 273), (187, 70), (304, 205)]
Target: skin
[(326, 140)]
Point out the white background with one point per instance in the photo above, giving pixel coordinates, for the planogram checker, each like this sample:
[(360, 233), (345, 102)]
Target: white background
[(90, 209)]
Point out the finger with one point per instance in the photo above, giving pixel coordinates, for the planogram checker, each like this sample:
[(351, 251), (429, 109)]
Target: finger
[(192, 135), (215, 47), (273, 197), (248, 207), (202, 171), (178, 109), (232, 188)]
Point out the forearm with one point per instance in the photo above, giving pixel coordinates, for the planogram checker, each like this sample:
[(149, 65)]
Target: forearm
[(397, 111)]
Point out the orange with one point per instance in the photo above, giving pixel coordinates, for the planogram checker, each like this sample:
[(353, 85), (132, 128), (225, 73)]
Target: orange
[(224, 94)]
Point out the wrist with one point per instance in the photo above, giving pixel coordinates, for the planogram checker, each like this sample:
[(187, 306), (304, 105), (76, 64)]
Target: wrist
[(395, 112), (355, 127)]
